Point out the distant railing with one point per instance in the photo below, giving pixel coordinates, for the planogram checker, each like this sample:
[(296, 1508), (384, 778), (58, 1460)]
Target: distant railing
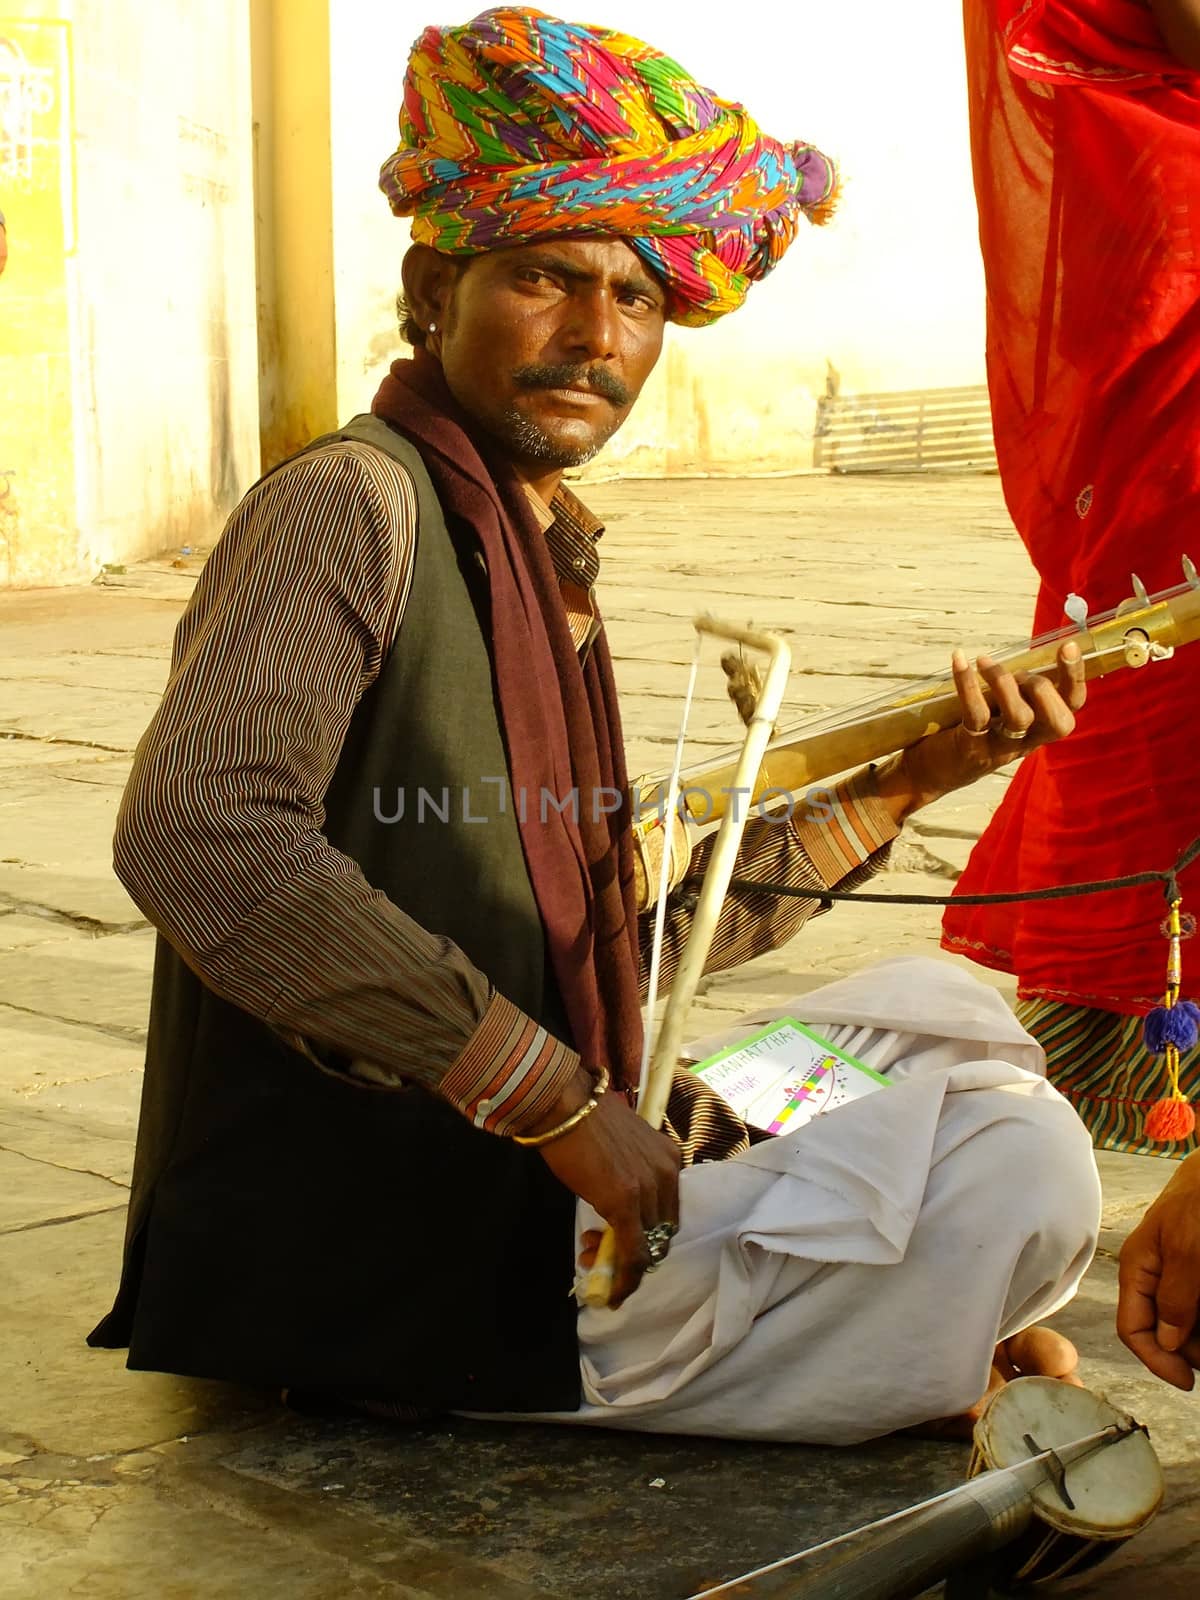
[(909, 431)]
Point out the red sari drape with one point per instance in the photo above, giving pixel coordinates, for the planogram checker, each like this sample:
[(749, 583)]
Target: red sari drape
[(1086, 146)]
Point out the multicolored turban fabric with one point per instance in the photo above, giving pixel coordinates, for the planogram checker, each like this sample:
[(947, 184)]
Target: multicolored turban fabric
[(519, 126)]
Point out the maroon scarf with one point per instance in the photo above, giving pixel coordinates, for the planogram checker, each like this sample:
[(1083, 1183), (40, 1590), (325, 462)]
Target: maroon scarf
[(559, 721)]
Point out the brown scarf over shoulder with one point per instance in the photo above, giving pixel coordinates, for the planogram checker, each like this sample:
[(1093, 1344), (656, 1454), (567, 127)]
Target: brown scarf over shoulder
[(559, 720)]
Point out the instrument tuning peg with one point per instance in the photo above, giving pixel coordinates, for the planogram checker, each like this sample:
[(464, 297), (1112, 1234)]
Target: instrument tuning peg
[(1137, 600), (1076, 608), (1189, 572)]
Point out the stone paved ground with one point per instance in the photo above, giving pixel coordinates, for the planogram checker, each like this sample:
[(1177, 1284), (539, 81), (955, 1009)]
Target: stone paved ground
[(138, 1486)]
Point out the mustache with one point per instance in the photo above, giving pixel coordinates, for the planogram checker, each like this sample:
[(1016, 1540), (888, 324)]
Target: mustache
[(540, 375)]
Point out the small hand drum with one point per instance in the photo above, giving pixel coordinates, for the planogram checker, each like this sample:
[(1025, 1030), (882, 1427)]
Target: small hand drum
[(1102, 1500)]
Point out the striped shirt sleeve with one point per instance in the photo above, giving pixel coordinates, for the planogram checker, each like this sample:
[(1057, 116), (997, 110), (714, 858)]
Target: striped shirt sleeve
[(841, 838), (511, 1071), (219, 837), (841, 828)]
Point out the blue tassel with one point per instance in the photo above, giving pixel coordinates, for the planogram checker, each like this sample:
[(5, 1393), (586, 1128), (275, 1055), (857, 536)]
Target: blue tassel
[(1178, 1025)]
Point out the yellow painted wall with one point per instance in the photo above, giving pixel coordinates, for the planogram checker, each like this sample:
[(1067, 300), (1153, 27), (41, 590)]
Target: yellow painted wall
[(891, 294), (127, 325), (166, 338), (37, 472)]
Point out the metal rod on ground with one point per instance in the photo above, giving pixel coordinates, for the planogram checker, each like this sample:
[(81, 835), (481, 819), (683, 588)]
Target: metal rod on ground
[(903, 1555)]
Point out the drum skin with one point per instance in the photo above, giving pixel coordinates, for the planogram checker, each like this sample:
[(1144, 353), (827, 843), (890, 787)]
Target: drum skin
[(1116, 1491)]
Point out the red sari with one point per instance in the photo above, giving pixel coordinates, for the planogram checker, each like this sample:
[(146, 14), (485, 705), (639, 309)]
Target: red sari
[(1086, 145)]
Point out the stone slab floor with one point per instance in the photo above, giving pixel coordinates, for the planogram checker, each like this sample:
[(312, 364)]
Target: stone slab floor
[(124, 1486)]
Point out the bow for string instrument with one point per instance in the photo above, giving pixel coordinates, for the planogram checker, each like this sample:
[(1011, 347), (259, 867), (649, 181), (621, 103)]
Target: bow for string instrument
[(658, 1069), (1142, 629)]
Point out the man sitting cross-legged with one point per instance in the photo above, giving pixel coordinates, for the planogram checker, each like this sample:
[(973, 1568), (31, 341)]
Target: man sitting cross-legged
[(365, 1001)]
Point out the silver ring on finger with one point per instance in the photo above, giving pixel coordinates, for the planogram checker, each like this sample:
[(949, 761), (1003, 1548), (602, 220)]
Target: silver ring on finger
[(658, 1242), (1014, 734)]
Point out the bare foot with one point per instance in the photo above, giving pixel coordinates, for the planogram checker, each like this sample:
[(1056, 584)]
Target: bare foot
[(1037, 1352)]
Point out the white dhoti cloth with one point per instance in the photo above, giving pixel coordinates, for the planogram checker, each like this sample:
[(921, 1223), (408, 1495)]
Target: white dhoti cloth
[(854, 1276)]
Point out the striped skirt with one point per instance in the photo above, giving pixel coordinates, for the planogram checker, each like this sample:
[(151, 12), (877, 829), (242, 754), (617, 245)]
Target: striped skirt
[(1098, 1060)]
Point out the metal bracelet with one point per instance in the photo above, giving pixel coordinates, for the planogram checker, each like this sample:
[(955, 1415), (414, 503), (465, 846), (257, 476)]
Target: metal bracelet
[(532, 1140)]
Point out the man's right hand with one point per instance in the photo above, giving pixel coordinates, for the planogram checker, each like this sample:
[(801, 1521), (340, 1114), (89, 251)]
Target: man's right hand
[(1158, 1314), (625, 1170)]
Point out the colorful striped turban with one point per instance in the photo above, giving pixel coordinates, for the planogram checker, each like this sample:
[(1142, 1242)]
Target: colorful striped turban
[(518, 126)]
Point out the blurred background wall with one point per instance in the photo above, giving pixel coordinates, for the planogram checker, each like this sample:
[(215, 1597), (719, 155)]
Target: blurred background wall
[(127, 310), (202, 271)]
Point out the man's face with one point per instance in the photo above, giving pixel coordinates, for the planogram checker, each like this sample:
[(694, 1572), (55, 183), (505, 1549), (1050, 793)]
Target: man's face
[(548, 345)]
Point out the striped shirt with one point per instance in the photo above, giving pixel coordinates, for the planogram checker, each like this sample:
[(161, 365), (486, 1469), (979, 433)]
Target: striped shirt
[(219, 838)]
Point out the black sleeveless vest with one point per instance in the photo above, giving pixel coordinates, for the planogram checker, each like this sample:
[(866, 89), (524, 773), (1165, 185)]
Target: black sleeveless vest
[(289, 1226)]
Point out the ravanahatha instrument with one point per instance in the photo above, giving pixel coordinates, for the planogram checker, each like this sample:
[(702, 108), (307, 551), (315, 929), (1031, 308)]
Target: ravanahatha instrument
[(1143, 629)]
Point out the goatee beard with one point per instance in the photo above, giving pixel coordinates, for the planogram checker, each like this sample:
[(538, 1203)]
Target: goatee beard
[(523, 438)]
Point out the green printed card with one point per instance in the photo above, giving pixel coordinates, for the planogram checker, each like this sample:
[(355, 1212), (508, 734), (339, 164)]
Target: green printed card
[(785, 1075)]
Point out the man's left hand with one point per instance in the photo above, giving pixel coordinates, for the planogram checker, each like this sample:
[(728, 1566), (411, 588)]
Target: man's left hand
[(1030, 711)]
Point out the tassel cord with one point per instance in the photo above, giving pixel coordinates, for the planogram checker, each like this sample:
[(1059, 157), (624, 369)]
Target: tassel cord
[(827, 897)]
